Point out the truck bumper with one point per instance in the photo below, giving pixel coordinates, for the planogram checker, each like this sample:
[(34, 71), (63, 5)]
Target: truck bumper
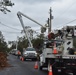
[(63, 66), (30, 57)]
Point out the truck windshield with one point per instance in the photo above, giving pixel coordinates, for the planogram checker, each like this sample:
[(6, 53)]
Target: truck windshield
[(30, 49)]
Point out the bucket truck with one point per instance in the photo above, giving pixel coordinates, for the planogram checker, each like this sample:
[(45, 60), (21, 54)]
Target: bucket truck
[(29, 52), (60, 53)]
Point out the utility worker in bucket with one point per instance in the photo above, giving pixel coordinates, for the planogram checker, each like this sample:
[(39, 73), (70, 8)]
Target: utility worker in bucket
[(19, 53)]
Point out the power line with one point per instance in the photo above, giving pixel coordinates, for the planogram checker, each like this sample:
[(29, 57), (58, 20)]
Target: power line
[(9, 26), (69, 7), (10, 32), (66, 9), (71, 21), (67, 23)]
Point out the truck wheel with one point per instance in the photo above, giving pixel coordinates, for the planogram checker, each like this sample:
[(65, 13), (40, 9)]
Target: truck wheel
[(40, 67), (24, 59), (33, 59)]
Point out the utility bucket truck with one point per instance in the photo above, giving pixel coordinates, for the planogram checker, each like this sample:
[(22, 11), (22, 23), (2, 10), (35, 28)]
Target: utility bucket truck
[(29, 52), (59, 53)]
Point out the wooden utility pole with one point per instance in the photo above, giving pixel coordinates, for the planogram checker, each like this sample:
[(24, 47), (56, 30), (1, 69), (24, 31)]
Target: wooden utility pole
[(49, 22)]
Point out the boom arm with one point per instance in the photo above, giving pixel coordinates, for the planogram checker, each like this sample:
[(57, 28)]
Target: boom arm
[(19, 13), (25, 30), (43, 28)]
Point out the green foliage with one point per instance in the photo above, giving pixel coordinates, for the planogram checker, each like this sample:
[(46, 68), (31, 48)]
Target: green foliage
[(3, 44), (23, 43), (37, 42), (41, 36)]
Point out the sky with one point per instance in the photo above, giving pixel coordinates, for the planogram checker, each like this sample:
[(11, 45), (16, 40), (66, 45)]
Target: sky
[(63, 12)]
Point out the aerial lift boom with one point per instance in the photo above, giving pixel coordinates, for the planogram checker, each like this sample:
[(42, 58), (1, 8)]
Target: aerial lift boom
[(25, 30), (19, 14)]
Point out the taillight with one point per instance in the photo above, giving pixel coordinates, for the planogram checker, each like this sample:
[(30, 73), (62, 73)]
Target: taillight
[(73, 64)]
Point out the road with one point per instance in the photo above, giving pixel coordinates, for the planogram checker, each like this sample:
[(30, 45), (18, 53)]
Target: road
[(19, 67)]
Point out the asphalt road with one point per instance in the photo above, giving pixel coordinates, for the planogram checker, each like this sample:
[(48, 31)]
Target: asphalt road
[(19, 67)]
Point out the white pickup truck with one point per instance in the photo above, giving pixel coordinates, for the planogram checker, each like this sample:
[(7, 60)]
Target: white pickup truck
[(30, 53)]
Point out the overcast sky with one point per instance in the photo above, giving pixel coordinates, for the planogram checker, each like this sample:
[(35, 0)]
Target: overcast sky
[(63, 11)]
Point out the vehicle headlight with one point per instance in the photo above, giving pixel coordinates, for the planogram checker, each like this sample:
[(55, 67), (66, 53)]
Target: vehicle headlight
[(25, 54)]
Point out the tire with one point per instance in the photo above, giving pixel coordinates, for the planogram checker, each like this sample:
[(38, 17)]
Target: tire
[(24, 59), (40, 67), (33, 59)]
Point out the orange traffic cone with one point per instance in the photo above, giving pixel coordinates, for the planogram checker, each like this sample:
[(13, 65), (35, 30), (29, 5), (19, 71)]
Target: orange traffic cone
[(50, 71), (55, 49), (22, 59), (36, 65)]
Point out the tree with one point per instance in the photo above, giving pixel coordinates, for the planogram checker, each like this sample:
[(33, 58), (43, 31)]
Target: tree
[(4, 4), (41, 36), (22, 43), (3, 44)]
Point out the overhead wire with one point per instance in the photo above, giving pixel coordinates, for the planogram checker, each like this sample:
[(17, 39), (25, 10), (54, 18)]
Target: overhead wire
[(19, 29), (71, 21), (10, 32), (70, 6), (60, 15), (8, 26), (67, 23)]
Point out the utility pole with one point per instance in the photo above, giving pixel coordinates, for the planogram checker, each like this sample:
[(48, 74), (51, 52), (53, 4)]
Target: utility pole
[(49, 22)]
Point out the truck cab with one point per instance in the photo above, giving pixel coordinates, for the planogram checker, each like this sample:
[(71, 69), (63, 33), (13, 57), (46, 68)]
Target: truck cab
[(30, 53)]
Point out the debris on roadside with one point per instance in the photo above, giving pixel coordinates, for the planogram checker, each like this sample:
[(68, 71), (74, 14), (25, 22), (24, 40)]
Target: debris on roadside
[(3, 60)]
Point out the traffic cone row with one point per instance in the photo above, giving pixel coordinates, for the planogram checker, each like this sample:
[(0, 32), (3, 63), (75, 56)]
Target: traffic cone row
[(50, 69), (36, 65)]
